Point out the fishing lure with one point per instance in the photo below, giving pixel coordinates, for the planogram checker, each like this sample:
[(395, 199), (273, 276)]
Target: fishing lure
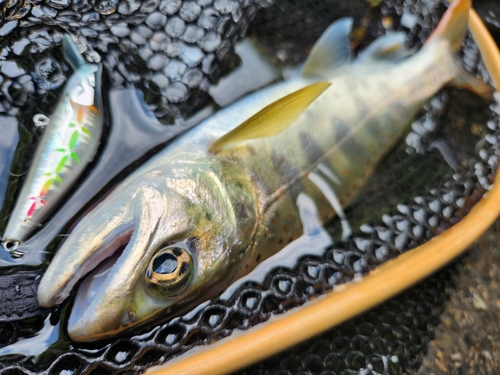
[(70, 140), (225, 196)]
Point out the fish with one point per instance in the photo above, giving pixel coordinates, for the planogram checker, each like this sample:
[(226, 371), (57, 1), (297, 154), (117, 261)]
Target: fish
[(68, 144), (223, 197)]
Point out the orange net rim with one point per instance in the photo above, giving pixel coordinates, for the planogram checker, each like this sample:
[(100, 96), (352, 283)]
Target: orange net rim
[(281, 332)]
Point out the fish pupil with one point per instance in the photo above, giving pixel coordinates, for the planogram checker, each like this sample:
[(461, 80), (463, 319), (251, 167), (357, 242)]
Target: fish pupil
[(165, 264)]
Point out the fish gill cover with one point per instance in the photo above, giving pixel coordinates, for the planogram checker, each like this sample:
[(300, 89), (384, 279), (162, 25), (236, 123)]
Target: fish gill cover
[(455, 129)]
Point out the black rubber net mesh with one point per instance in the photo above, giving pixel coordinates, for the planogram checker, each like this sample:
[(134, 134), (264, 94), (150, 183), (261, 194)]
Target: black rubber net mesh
[(428, 183)]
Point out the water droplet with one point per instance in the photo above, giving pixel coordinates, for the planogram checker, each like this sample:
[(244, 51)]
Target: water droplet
[(190, 11), (170, 6), (176, 92), (175, 69), (121, 30), (193, 34), (58, 4), (106, 7), (175, 27), (208, 18), (192, 78), (149, 6), (192, 56), (127, 318), (224, 6), (210, 42), (156, 20), (158, 61)]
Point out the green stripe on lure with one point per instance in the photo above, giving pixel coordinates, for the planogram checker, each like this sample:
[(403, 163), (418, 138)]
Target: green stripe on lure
[(222, 198), (69, 143)]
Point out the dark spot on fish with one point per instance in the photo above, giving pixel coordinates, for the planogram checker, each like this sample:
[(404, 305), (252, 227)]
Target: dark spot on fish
[(273, 222), (251, 149), (258, 258), (193, 243), (208, 216), (265, 234), (290, 240), (285, 170), (241, 211), (280, 241), (311, 148), (284, 227), (292, 218)]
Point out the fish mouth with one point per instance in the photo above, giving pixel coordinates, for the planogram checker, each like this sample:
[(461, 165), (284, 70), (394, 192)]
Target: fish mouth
[(46, 298), (93, 283)]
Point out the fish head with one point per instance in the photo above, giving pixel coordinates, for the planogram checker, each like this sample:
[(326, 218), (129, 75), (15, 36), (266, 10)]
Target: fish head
[(164, 241)]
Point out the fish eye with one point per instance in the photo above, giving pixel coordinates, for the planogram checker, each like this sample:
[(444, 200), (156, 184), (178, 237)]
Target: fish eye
[(170, 269)]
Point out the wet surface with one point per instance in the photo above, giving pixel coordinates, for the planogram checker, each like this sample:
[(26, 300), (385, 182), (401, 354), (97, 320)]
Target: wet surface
[(418, 207)]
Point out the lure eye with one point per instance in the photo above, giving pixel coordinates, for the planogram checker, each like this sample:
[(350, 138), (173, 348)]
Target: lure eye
[(170, 269)]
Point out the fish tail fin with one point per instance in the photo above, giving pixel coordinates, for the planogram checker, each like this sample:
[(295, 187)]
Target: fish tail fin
[(453, 24), (452, 28)]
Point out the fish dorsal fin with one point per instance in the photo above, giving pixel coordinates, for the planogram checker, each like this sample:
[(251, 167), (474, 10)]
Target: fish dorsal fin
[(388, 47), (71, 53), (273, 119), (331, 51)]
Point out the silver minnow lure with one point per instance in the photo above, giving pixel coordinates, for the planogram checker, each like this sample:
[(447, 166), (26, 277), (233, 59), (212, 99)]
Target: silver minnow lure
[(223, 197), (69, 143)]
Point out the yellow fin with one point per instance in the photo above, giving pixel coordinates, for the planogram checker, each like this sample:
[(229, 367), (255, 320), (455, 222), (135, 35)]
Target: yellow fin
[(274, 118)]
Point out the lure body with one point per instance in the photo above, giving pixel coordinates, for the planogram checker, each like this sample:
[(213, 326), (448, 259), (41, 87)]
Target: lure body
[(222, 198), (68, 144)]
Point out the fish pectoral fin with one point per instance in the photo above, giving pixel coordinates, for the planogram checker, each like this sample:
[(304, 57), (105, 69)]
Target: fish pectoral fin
[(331, 51), (465, 80), (388, 47), (273, 119)]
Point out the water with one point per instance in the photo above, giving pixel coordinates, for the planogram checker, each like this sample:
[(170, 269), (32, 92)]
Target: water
[(134, 133)]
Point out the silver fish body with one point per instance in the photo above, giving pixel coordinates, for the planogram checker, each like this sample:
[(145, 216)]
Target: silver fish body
[(190, 221), (68, 144)]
